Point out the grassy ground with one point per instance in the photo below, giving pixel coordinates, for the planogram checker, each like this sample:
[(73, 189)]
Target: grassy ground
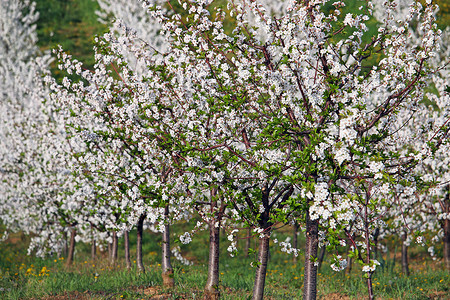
[(26, 277)]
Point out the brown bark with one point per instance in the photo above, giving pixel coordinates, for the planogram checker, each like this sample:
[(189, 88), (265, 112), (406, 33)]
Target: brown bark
[(405, 265), (312, 243), (65, 248), (167, 271), (126, 238), (140, 231), (447, 243), (369, 285), (114, 249), (212, 283), (69, 260), (263, 258)]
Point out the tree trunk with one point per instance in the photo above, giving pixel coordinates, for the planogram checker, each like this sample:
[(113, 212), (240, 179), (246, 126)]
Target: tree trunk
[(248, 241), (93, 249), (405, 265), (167, 271), (369, 286), (69, 260), (126, 238), (312, 242), (263, 258), (446, 239), (114, 249), (65, 248), (140, 229), (212, 284)]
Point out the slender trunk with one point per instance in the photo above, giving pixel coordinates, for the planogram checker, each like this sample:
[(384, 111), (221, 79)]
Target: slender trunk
[(247, 241), (73, 233), (295, 240), (405, 265), (167, 271), (312, 242), (126, 238), (212, 284), (369, 285), (140, 230), (263, 258), (93, 249), (447, 243), (114, 249), (65, 249), (321, 256)]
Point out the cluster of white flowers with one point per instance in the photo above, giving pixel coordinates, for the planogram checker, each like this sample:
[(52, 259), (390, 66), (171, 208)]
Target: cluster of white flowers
[(339, 264), (371, 266), (185, 238)]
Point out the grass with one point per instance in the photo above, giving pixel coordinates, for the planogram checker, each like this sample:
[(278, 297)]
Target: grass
[(72, 24), (27, 277)]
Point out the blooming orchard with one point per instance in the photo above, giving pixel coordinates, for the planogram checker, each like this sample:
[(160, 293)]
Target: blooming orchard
[(300, 114)]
